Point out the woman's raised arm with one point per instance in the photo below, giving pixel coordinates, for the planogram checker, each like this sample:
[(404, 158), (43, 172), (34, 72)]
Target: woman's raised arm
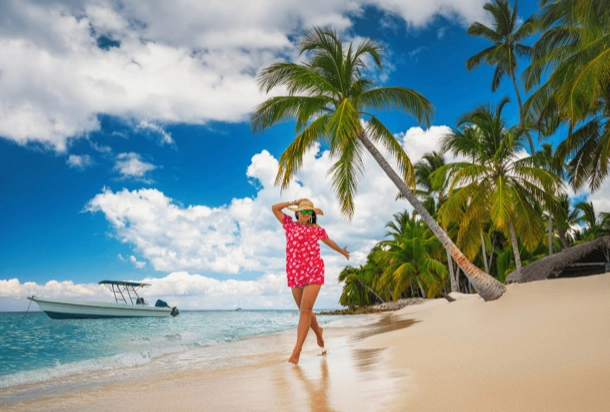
[(277, 208)]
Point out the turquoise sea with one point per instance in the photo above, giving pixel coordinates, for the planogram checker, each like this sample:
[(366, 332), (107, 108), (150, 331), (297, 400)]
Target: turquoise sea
[(40, 355)]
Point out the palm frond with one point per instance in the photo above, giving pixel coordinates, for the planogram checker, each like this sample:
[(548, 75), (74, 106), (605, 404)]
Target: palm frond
[(477, 29), (282, 108), (345, 174), (484, 56), (296, 78), (292, 159), (397, 98)]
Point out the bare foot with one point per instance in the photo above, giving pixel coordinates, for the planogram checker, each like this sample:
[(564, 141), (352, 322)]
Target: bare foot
[(320, 339), (296, 354)]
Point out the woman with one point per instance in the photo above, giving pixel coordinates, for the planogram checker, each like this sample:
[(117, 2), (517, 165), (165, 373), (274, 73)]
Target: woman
[(304, 266)]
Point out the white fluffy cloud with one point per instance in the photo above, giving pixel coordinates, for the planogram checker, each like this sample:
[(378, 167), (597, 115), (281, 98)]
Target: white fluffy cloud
[(166, 138), (130, 165), (157, 62), (417, 141), (600, 198), (79, 162), (138, 264), (421, 13)]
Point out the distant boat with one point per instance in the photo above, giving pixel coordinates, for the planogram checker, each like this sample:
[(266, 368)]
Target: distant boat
[(128, 304), (238, 307)]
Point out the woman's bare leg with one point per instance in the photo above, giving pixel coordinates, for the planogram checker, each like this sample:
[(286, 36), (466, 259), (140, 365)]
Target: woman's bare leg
[(297, 294), (310, 293)]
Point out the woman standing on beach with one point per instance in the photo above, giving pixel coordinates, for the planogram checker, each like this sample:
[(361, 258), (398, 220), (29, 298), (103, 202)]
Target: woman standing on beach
[(304, 266)]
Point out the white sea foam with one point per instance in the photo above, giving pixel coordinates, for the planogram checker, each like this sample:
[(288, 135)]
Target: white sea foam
[(123, 360)]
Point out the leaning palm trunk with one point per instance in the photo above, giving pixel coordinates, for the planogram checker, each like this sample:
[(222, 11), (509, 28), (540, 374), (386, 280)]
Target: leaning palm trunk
[(550, 235), (485, 285), (484, 252), (372, 291), (421, 290), (452, 278), (513, 239)]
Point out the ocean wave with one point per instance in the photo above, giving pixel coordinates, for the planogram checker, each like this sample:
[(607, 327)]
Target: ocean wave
[(123, 360), (140, 339)]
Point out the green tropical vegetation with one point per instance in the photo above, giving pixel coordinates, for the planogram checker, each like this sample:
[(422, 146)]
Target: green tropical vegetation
[(498, 204)]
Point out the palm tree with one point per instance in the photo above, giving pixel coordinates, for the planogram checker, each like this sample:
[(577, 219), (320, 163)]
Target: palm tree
[(431, 193), (588, 148), (354, 291), (507, 37), (496, 186), (566, 217), (545, 159), (412, 256), (360, 283), (433, 196), (573, 53), (329, 98), (594, 225)]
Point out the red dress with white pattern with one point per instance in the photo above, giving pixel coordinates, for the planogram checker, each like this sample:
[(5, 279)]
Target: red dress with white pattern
[(304, 266)]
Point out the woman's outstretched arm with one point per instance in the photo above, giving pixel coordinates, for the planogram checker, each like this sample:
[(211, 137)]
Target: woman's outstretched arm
[(277, 208), (331, 243)]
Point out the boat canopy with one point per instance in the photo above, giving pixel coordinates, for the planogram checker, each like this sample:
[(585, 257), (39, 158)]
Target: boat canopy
[(123, 283)]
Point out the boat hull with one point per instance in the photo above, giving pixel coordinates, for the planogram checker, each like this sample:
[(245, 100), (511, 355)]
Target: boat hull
[(73, 309)]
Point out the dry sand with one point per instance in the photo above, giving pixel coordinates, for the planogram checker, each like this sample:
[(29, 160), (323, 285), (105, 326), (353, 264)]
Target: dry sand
[(544, 346)]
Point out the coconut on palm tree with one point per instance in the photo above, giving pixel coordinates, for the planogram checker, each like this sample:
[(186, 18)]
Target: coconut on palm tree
[(507, 36), (496, 186), (333, 102)]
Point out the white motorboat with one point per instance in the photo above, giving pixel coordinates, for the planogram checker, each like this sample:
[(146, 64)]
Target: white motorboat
[(128, 304)]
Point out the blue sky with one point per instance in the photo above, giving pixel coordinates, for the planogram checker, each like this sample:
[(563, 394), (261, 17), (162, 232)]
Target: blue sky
[(126, 153)]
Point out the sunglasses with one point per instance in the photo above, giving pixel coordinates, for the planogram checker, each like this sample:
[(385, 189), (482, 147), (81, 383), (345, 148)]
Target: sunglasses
[(306, 212)]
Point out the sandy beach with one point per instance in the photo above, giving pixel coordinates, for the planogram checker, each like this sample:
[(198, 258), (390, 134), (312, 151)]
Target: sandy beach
[(544, 346)]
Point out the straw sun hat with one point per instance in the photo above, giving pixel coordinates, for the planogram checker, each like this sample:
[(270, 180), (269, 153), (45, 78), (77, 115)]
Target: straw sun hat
[(305, 204)]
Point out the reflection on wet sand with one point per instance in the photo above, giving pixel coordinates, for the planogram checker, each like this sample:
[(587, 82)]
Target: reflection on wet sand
[(348, 377), (366, 360), (387, 323), (316, 389)]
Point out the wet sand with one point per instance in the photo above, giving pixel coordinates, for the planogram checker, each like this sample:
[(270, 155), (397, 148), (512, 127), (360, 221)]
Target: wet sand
[(544, 346)]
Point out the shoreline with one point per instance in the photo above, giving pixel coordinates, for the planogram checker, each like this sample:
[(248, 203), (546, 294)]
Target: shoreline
[(543, 346), (84, 390)]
